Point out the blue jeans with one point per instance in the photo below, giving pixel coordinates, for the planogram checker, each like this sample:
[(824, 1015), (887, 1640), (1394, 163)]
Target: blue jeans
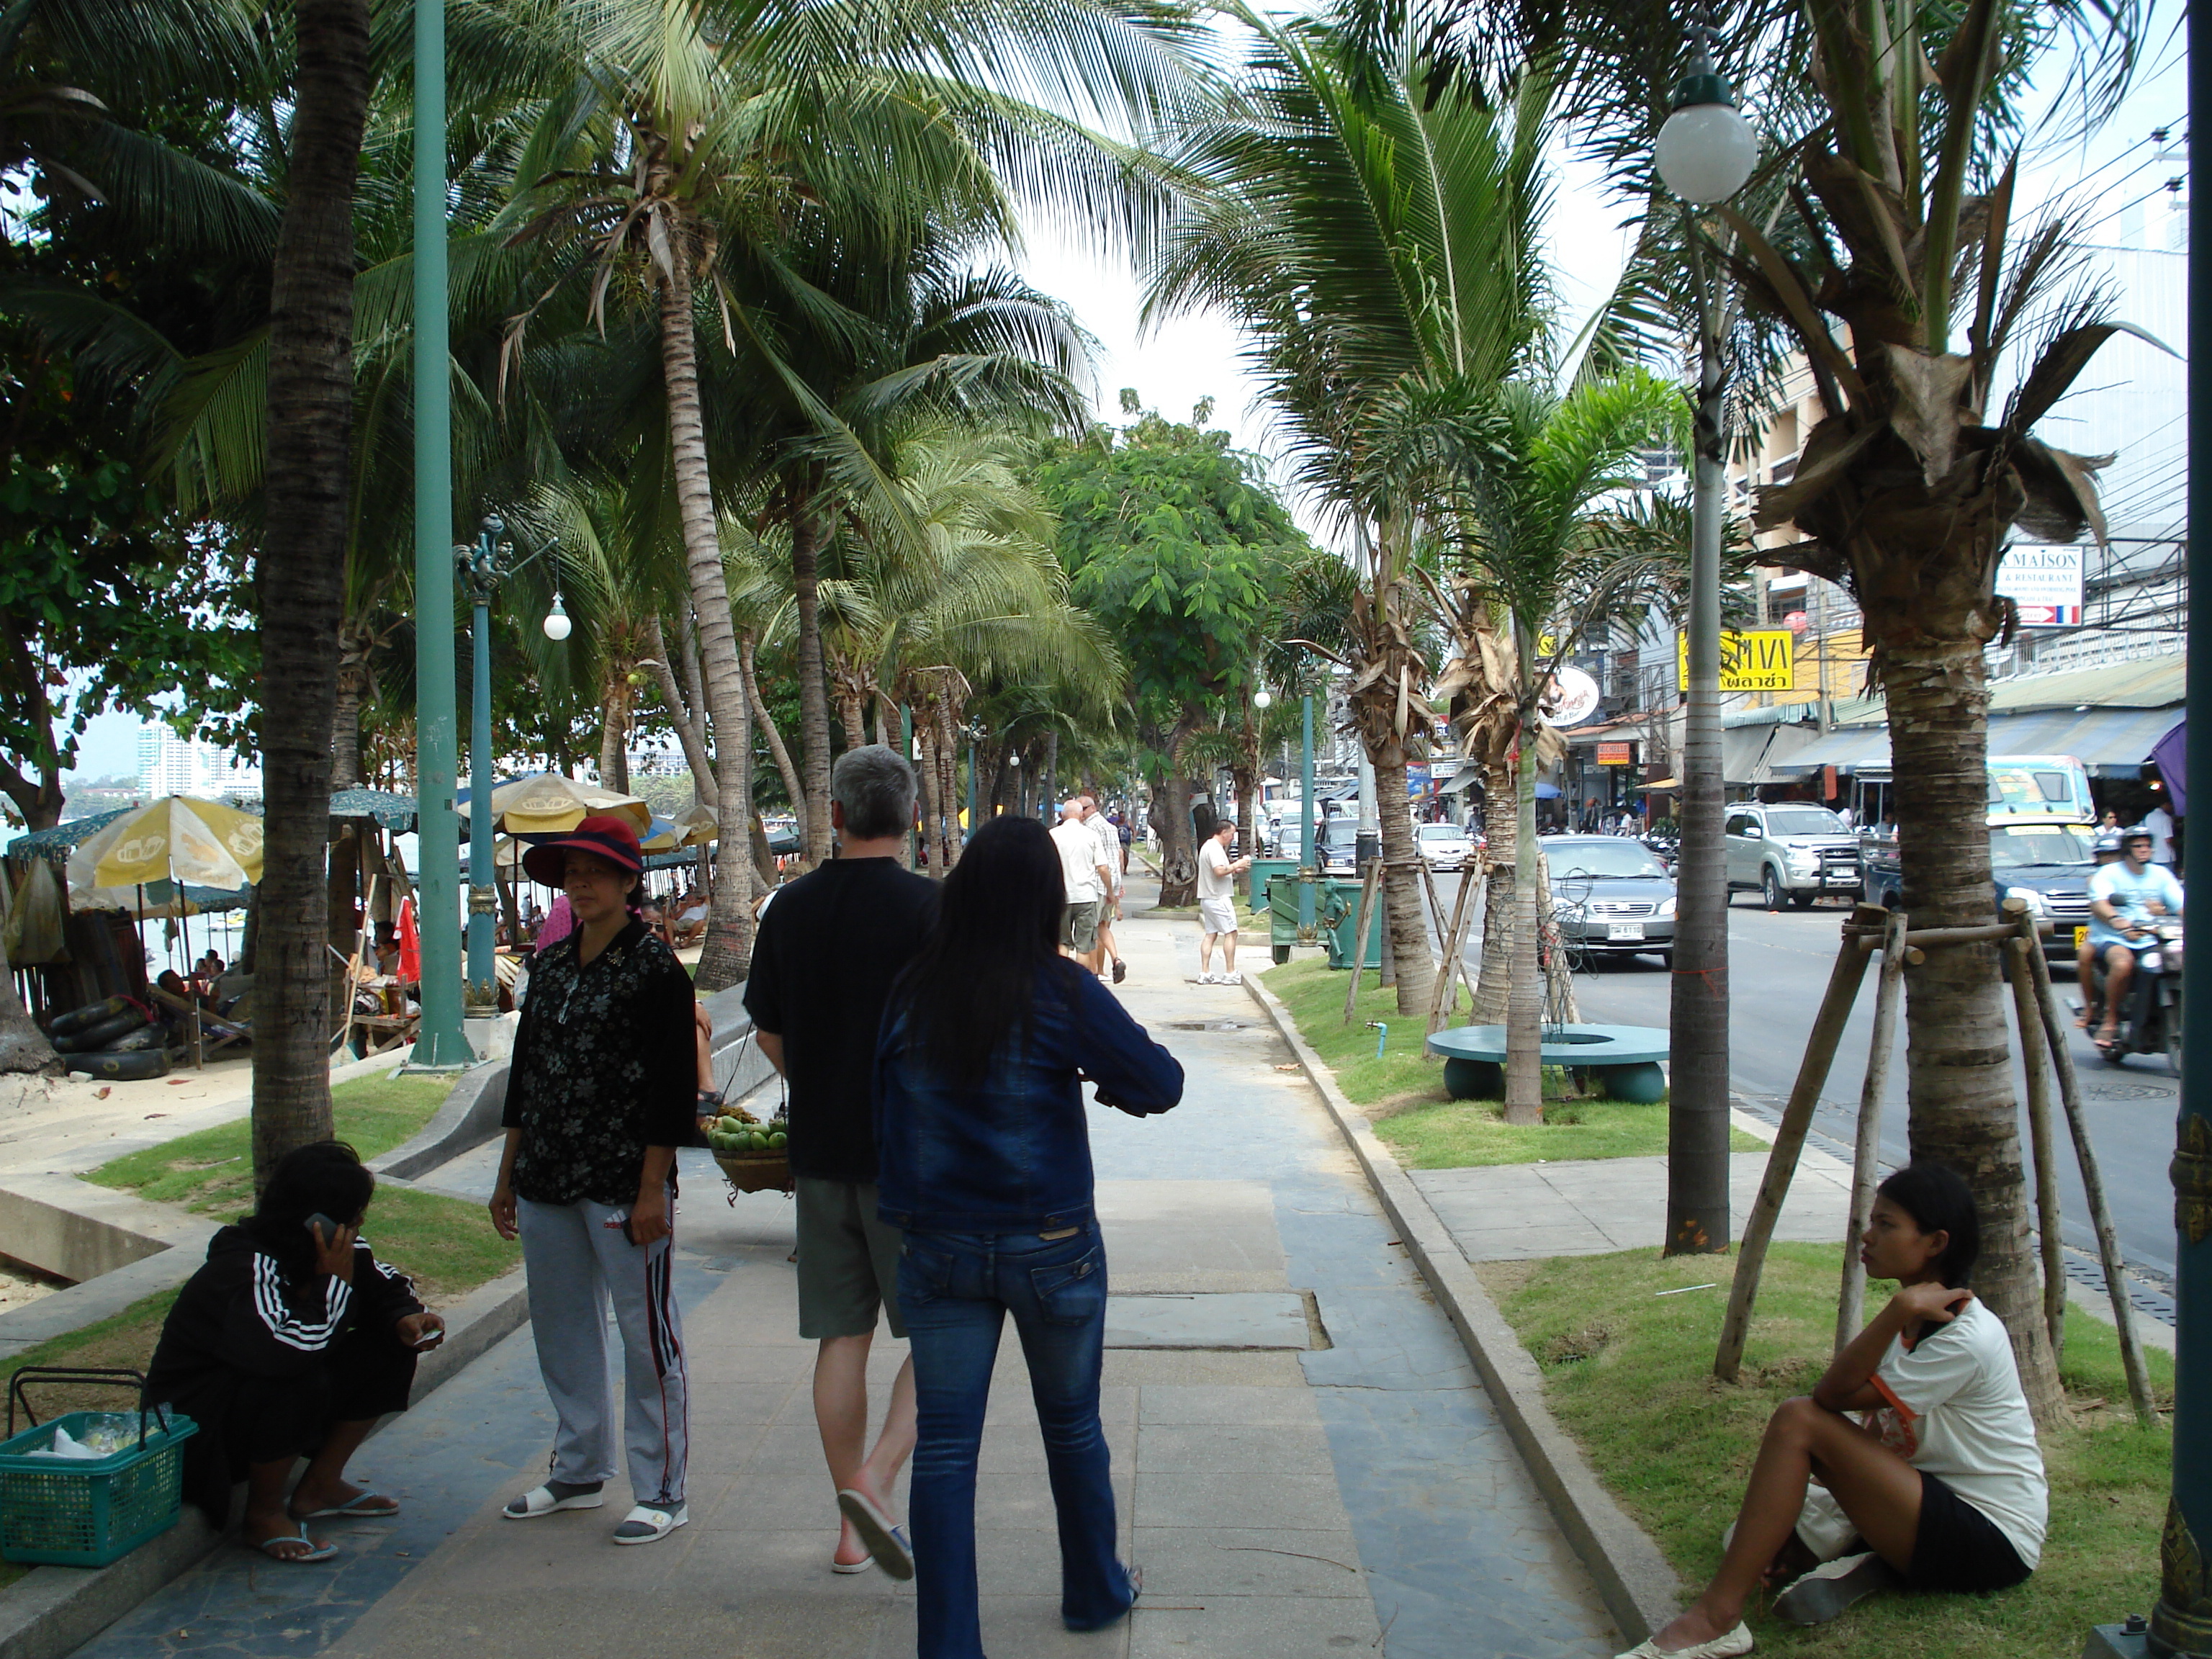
[(955, 1291)]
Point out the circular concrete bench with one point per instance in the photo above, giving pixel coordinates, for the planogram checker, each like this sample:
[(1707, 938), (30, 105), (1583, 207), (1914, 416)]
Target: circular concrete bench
[(1625, 1058)]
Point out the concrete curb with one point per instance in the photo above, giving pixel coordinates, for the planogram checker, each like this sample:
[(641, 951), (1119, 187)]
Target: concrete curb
[(1639, 1588), (469, 1118), (51, 1611)]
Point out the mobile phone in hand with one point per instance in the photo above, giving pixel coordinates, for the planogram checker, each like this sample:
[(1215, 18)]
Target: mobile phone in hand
[(322, 1230)]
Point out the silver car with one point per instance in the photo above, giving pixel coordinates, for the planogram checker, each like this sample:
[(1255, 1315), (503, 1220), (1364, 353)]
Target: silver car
[(1444, 846), (1612, 897)]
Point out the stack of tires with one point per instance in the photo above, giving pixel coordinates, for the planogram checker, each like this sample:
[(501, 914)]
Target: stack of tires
[(116, 1040)]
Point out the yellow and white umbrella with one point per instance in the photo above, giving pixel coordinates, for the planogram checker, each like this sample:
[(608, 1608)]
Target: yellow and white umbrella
[(547, 804), (698, 825), (173, 839)]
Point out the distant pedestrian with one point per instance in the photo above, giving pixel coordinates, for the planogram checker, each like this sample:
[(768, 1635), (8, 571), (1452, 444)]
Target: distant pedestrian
[(602, 1090), (1122, 835), (1086, 881), (2160, 823), (1109, 861), (822, 968), (986, 1167), (1217, 905)]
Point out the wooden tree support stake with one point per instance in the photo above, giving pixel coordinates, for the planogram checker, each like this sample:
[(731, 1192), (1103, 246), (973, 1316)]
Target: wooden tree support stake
[(1367, 885), (2093, 1183), (1443, 1003), (1866, 1146), (2035, 1057), (1796, 1118)]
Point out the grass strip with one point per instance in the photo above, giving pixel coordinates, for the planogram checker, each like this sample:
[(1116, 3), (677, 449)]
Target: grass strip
[(1405, 1089), (1628, 1372)]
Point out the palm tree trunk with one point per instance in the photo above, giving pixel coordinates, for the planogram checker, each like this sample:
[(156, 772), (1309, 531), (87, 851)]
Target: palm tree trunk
[(345, 721), (948, 774), (23, 1046), (1524, 1053), (1403, 902), (683, 715), (727, 955), (1493, 987), (1958, 1051), (813, 690), (851, 707), (614, 733), (302, 594), (925, 784), (750, 661)]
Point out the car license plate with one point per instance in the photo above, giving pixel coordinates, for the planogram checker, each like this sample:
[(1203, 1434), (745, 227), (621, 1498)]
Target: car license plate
[(1624, 930), (2081, 937)]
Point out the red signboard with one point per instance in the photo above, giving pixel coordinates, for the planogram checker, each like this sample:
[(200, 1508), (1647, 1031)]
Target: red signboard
[(1612, 754)]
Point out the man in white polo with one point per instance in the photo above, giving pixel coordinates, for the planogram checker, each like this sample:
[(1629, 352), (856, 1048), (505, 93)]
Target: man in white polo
[(1109, 906), (1085, 877), (1217, 905)]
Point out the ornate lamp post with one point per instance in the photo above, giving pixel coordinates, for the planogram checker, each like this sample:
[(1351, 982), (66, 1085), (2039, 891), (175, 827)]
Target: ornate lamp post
[(1705, 153), (479, 570)]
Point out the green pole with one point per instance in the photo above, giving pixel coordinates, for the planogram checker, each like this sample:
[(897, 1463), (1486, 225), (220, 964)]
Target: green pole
[(2181, 1623), (1307, 870), (437, 1041)]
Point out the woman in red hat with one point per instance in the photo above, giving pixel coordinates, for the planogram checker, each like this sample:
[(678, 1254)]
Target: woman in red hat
[(603, 1089)]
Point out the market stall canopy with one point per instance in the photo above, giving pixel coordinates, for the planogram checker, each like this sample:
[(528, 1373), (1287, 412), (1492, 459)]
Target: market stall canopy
[(58, 841), (2111, 743), (547, 804), (175, 838), (393, 812)]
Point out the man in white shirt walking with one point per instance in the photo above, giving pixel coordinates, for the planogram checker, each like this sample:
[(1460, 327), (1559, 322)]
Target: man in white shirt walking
[(1087, 879), (1217, 905), (1109, 906), (2160, 823)]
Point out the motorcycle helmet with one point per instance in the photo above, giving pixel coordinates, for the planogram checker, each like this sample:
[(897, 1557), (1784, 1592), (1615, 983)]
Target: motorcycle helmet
[(2134, 832), (2108, 844)]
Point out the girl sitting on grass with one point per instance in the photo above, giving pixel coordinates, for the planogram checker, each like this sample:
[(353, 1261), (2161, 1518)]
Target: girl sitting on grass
[(1937, 1482)]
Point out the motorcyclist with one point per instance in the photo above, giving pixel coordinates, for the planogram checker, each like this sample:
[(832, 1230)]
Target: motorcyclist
[(2126, 900), (2107, 849)]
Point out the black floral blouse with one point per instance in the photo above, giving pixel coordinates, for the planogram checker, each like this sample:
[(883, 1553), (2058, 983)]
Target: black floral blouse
[(605, 1065)]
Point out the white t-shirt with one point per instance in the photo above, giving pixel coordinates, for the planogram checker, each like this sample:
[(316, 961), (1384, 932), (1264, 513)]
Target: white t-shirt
[(2160, 823), (1109, 845), (2131, 894), (1079, 860), (1953, 1408), (1214, 881)]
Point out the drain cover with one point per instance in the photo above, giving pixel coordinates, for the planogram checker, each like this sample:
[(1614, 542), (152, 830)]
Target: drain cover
[(1207, 1024), (2124, 1091), (1214, 1319)]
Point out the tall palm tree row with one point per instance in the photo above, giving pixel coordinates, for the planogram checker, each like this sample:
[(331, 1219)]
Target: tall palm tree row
[(1368, 237)]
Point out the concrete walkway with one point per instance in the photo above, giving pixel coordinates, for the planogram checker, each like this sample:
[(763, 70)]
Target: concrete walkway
[(1305, 1464)]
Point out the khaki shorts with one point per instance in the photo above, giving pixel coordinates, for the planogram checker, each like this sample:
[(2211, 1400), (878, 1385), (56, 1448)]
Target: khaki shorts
[(848, 1260), (1078, 926)]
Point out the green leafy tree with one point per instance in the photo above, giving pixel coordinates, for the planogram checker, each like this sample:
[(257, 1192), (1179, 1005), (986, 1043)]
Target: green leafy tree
[(1174, 540)]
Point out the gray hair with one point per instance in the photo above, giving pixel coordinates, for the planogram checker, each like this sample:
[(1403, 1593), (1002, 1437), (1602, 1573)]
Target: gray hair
[(875, 786)]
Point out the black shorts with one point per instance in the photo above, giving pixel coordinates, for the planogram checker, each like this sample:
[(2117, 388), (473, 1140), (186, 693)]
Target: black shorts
[(1958, 1548)]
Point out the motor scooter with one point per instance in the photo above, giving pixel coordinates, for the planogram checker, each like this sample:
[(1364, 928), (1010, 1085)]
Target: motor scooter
[(2151, 1022)]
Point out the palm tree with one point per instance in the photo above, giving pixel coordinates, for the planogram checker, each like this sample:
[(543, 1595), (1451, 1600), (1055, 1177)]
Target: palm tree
[(1363, 232), (1891, 261), (302, 594)]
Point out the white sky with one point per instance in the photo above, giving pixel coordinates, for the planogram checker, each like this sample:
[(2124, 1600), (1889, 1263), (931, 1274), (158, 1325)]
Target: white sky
[(1173, 368)]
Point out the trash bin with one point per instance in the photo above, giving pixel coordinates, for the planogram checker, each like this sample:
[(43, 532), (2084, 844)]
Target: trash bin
[(1262, 872), (1336, 913)]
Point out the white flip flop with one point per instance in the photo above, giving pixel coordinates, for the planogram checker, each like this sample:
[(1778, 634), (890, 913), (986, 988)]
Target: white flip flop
[(646, 1525)]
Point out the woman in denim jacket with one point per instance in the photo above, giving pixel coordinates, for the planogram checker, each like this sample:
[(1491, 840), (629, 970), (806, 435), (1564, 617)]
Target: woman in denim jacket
[(984, 1164)]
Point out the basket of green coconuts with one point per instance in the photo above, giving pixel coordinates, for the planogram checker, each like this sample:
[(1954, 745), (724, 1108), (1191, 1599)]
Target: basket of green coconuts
[(752, 1153)]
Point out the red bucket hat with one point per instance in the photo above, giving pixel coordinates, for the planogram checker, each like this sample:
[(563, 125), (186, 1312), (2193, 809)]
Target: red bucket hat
[(613, 839)]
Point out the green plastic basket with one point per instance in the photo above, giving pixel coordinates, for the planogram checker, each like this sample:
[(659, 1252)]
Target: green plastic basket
[(87, 1512)]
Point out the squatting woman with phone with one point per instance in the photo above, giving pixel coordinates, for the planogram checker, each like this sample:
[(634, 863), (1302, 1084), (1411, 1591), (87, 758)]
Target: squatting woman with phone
[(290, 1342)]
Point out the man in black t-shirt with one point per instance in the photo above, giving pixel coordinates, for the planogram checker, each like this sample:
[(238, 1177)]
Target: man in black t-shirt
[(828, 951)]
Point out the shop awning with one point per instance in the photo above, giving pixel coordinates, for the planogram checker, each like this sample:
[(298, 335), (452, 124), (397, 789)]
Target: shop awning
[(2111, 743)]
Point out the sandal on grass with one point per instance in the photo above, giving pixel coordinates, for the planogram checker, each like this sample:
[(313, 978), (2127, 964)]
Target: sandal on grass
[(311, 1551)]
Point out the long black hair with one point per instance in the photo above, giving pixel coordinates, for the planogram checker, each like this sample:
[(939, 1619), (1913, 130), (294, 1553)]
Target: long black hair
[(326, 1177), (974, 981), (1937, 1199)]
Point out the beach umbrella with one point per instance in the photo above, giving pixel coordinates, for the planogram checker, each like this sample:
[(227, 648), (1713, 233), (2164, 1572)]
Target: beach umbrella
[(699, 825), (176, 838), (661, 836), (547, 804)]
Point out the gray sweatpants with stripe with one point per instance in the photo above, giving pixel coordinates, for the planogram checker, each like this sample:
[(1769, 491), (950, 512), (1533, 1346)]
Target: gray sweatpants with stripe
[(577, 1261)]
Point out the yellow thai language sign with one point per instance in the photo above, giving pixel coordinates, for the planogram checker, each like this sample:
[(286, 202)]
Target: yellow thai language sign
[(1764, 660)]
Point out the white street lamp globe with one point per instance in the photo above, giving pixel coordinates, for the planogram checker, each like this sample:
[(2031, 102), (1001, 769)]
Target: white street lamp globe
[(557, 624), (1263, 698), (1707, 149)]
